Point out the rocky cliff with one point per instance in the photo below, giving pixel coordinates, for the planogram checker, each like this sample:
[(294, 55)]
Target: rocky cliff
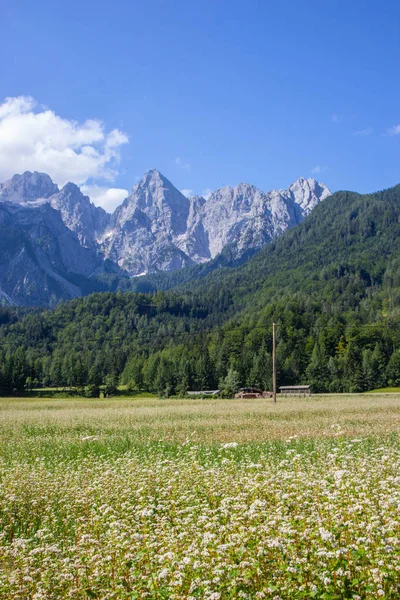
[(53, 242)]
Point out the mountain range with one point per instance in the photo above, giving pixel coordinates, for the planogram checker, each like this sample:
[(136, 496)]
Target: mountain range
[(331, 285), (56, 244)]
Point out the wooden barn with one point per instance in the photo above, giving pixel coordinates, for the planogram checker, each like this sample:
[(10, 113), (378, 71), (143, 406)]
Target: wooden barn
[(295, 390), (203, 393), (251, 392)]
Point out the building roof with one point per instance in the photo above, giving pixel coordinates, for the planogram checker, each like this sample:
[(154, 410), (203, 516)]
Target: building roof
[(206, 392), (294, 387)]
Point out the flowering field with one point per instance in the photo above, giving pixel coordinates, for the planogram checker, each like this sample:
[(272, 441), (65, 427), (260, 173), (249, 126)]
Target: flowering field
[(200, 499)]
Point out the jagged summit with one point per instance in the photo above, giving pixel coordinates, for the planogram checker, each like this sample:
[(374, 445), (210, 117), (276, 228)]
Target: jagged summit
[(153, 179), (142, 232), (152, 193), (307, 191), (78, 213), (72, 188), (154, 174), (27, 187), (157, 228)]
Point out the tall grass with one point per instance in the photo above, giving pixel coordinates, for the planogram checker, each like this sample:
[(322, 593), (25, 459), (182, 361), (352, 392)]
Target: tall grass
[(214, 499)]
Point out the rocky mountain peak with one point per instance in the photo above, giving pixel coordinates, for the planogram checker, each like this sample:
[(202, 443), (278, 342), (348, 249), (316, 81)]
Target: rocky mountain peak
[(70, 200), (27, 187), (308, 192), (72, 189), (79, 214), (150, 188), (157, 228), (156, 188), (158, 199), (154, 176)]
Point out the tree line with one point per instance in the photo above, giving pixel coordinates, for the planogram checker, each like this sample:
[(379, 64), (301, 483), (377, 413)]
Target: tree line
[(332, 285), (170, 355)]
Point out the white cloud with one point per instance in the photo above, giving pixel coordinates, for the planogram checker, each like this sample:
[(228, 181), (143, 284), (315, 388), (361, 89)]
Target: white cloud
[(108, 198), (182, 164), (395, 130), (363, 132), (34, 138), (15, 106), (187, 193), (206, 193), (319, 169)]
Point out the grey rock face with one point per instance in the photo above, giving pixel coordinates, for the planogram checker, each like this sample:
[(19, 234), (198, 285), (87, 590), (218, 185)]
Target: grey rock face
[(77, 211), (80, 215), (143, 231), (40, 257), (27, 187), (48, 245), (158, 228), (50, 238), (248, 218)]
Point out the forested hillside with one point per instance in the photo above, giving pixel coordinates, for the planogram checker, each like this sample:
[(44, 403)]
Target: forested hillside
[(332, 285)]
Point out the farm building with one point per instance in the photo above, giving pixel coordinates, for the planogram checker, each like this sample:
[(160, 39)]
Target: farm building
[(251, 392), (204, 393), (295, 390)]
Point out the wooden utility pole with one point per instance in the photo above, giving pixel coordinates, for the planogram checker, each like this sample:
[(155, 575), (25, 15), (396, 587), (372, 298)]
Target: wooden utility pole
[(274, 360)]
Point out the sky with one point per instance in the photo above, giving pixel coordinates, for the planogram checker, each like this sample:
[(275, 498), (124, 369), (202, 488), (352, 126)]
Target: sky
[(210, 92)]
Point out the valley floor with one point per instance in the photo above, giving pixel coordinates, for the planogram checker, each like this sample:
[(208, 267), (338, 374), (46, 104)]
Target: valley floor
[(209, 421), (214, 499)]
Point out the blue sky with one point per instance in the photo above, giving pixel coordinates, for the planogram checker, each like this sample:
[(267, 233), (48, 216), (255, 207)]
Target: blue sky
[(215, 92)]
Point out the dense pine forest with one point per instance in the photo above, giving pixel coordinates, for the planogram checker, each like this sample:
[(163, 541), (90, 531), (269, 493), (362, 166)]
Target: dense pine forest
[(332, 285)]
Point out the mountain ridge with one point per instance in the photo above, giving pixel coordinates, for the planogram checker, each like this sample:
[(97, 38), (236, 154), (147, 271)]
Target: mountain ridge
[(42, 261), (331, 285), (155, 213), (155, 229)]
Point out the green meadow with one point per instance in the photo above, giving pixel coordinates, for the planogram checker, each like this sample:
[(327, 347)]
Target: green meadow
[(187, 499)]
